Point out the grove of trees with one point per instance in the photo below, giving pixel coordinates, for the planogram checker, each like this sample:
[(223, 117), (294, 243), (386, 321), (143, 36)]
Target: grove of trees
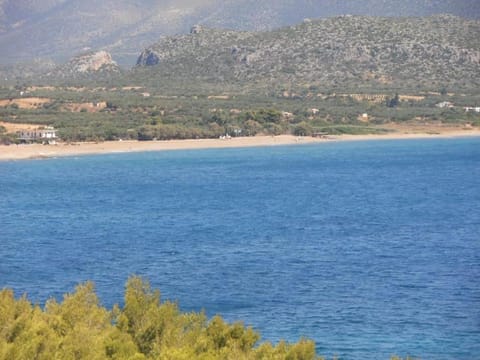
[(144, 328)]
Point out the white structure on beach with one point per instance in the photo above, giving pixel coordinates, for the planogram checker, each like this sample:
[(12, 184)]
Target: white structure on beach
[(48, 134)]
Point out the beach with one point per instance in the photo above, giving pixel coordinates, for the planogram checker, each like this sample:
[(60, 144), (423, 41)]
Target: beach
[(38, 151)]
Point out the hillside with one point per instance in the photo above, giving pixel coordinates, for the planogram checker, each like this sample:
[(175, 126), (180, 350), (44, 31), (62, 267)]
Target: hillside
[(346, 51), (60, 29)]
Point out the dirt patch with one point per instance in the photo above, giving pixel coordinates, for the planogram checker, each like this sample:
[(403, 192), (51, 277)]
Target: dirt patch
[(26, 103), (12, 128), (86, 107), (46, 88), (411, 97), (219, 97)]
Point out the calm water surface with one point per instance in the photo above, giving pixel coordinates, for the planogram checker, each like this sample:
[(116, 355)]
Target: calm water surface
[(369, 248)]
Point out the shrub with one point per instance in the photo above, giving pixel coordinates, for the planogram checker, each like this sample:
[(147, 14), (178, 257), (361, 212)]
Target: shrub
[(145, 328)]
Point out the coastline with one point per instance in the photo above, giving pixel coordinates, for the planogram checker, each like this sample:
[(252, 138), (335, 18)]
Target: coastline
[(37, 151)]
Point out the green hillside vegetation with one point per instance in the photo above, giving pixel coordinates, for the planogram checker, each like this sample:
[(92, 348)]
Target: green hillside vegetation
[(145, 328), (130, 115)]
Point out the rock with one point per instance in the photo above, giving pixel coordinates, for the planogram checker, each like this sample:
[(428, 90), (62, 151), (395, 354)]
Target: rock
[(196, 29), (92, 62), (148, 58)]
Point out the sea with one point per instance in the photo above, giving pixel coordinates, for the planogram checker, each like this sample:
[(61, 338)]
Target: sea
[(370, 248)]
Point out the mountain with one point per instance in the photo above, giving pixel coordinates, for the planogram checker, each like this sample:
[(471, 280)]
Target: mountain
[(14, 14), (348, 51), (60, 29), (70, 27), (263, 15)]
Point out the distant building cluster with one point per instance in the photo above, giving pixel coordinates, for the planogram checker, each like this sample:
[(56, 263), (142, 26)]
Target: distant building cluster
[(449, 105)]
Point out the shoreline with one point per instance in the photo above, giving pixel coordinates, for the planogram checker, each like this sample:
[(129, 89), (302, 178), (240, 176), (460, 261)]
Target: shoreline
[(38, 151)]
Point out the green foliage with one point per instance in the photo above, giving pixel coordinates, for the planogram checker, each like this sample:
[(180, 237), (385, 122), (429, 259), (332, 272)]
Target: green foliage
[(146, 328), (303, 129), (6, 138), (352, 130), (252, 127), (267, 116), (179, 114)]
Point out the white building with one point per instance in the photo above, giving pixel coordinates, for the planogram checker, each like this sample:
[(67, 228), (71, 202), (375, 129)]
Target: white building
[(445, 104), (48, 134), (474, 109)]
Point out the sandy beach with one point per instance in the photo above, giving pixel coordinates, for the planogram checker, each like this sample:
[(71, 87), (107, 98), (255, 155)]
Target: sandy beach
[(37, 151)]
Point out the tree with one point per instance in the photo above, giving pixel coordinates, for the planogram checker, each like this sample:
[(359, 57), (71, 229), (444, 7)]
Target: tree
[(252, 127), (303, 129), (268, 116), (393, 102), (146, 133)]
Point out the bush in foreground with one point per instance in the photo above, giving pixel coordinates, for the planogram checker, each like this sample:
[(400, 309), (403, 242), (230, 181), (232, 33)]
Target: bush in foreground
[(145, 328)]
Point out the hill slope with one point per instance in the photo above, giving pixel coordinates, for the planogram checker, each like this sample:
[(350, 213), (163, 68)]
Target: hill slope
[(343, 51)]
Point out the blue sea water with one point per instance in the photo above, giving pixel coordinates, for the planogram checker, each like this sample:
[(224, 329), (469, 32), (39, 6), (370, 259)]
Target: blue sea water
[(369, 248)]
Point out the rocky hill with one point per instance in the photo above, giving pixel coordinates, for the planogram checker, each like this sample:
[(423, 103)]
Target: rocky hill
[(58, 29), (350, 51), (90, 65)]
